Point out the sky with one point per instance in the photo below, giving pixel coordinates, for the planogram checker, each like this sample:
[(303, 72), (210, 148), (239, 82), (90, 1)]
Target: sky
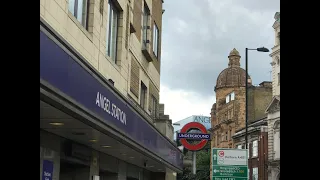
[(197, 37)]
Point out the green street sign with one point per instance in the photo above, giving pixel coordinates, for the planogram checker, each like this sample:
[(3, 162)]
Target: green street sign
[(229, 164)]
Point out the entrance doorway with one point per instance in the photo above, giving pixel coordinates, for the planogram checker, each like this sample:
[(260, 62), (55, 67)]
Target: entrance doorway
[(107, 175), (73, 171), (131, 178)]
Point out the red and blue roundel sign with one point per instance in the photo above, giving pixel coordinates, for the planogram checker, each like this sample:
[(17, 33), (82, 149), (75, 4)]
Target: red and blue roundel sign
[(204, 136)]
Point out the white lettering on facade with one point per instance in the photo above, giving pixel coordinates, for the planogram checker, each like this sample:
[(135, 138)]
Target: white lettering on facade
[(110, 108), (194, 136), (47, 174), (202, 119)]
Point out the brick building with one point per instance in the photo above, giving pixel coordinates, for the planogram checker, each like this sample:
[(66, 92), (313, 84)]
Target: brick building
[(257, 148), (228, 113)]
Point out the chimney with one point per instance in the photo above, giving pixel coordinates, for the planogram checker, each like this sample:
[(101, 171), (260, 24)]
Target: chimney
[(267, 84)]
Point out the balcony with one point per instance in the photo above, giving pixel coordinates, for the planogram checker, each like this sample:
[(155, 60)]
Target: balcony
[(228, 105), (227, 121)]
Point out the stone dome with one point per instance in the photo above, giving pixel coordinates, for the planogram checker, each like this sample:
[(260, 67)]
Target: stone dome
[(234, 75)]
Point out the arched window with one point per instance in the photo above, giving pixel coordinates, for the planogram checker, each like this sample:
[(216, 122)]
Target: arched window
[(276, 126), (276, 139)]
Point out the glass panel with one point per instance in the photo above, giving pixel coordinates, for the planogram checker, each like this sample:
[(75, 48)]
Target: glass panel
[(71, 6), (79, 11), (155, 39), (232, 96), (255, 148), (108, 31), (145, 24), (114, 24), (248, 150), (255, 174)]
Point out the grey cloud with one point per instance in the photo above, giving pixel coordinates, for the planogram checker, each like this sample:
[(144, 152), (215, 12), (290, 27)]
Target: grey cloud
[(199, 34)]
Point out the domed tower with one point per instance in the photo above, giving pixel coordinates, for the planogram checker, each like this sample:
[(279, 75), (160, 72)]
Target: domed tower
[(230, 102), (234, 75)]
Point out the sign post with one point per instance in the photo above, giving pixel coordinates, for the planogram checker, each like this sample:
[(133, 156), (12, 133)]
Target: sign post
[(203, 137), (229, 164)]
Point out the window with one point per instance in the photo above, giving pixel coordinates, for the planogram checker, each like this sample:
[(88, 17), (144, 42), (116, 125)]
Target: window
[(232, 96), (79, 9), (227, 136), (146, 14), (230, 135), (112, 31), (278, 60), (154, 107), (143, 93), (278, 78), (255, 173), (248, 150), (239, 146), (155, 39), (255, 148)]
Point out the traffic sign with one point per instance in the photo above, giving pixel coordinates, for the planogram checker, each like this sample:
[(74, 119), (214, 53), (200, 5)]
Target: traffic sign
[(229, 164), (204, 136)]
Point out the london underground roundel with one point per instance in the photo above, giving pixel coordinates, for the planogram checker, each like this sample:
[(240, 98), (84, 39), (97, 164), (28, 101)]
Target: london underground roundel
[(184, 134)]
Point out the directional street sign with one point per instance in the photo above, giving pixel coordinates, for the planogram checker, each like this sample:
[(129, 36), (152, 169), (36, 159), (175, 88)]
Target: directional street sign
[(229, 164)]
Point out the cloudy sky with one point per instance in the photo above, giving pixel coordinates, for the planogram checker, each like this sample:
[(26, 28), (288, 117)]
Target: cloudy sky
[(197, 37)]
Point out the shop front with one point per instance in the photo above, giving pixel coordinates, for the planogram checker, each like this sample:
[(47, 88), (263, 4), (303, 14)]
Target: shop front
[(87, 129)]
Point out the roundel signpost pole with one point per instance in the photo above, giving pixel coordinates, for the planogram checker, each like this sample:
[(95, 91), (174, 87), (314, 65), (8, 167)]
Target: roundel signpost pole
[(203, 137)]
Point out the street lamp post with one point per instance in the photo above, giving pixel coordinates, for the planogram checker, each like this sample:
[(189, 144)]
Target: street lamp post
[(261, 49)]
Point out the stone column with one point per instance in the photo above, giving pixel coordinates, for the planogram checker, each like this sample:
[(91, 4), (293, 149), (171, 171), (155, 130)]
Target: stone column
[(122, 173), (94, 166)]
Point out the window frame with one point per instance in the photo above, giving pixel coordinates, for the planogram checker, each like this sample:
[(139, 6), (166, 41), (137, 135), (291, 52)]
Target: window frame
[(248, 150), (255, 148), (143, 93), (255, 173), (154, 107), (145, 24), (109, 37), (85, 11), (227, 99), (155, 40), (226, 136), (230, 97)]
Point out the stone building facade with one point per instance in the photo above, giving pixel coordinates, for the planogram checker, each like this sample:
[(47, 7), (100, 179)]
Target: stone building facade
[(228, 113), (273, 108), (257, 148), (110, 46), (275, 55)]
